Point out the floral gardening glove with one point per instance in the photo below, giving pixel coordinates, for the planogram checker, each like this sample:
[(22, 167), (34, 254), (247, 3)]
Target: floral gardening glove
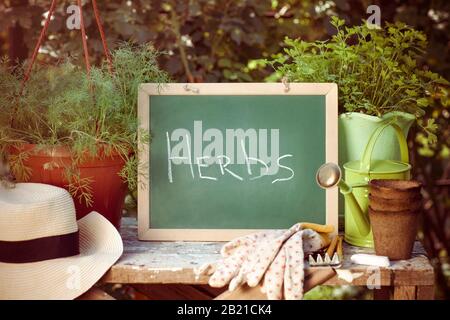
[(260, 257), (247, 259), (286, 272), (236, 253)]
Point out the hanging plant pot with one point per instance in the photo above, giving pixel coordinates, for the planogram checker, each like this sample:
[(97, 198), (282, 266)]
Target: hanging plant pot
[(95, 183), (63, 103)]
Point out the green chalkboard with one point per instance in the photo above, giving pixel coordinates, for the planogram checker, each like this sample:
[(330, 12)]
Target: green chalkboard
[(235, 161)]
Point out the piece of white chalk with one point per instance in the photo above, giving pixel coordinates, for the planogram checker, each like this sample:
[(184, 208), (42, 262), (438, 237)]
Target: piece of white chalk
[(370, 260)]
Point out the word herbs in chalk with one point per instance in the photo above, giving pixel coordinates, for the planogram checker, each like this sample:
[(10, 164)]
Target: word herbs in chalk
[(237, 153)]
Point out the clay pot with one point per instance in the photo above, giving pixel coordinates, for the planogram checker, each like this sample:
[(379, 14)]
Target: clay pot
[(394, 233), (380, 204), (108, 189), (394, 207), (395, 189)]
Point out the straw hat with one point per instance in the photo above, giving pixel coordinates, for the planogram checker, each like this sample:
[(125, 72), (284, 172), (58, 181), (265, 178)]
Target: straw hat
[(44, 252)]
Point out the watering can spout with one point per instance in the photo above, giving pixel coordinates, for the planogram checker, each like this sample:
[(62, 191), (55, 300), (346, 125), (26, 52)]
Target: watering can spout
[(330, 175)]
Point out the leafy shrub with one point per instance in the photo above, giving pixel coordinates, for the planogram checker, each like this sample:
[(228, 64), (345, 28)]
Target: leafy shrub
[(376, 69), (93, 115)]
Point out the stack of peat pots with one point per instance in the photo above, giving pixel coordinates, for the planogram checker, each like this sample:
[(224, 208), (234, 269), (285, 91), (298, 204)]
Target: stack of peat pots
[(394, 207)]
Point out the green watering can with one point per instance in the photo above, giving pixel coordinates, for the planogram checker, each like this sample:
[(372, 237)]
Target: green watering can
[(358, 174)]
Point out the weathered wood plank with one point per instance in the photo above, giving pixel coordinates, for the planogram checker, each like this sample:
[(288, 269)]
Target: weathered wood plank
[(384, 293), (361, 276), (317, 276), (176, 262), (160, 262), (213, 292), (171, 292), (313, 278), (95, 294), (243, 292), (417, 271), (404, 293), (425, 293)]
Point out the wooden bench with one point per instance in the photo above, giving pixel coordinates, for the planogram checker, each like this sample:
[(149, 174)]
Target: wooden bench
[(157, 268)]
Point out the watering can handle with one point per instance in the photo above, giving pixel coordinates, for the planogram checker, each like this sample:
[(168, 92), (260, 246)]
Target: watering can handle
[(367, 154)]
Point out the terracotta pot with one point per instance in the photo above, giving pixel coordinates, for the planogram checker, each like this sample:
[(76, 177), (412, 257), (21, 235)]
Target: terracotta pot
[(108, 189), (395, 189), (394, 233), (380, 204)]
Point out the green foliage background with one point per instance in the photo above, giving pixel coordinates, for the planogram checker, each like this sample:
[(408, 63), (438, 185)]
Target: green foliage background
[(375, 69), (222, 40)]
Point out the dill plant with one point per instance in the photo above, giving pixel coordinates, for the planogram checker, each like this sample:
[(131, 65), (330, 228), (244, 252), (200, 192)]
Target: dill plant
[(92, 115)]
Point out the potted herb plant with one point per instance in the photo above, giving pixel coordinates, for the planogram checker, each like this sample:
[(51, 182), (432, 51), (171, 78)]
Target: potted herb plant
[(378, 78), (79, 131)]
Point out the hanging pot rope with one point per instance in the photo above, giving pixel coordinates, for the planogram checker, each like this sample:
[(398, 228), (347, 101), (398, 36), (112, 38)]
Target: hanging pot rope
[(83, 34), (38, 44), (83, 39), (102, 35), (33, 58)]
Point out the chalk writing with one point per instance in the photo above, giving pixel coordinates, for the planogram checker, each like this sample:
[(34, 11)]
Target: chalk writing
[(235, 147)]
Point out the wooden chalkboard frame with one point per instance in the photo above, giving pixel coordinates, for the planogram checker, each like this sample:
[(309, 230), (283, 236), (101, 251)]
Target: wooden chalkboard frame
[(329, 90)]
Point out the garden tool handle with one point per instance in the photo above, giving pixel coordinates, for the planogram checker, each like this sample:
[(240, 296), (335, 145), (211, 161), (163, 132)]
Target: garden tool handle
[(332, 247), (324, 231), (366, 158)]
